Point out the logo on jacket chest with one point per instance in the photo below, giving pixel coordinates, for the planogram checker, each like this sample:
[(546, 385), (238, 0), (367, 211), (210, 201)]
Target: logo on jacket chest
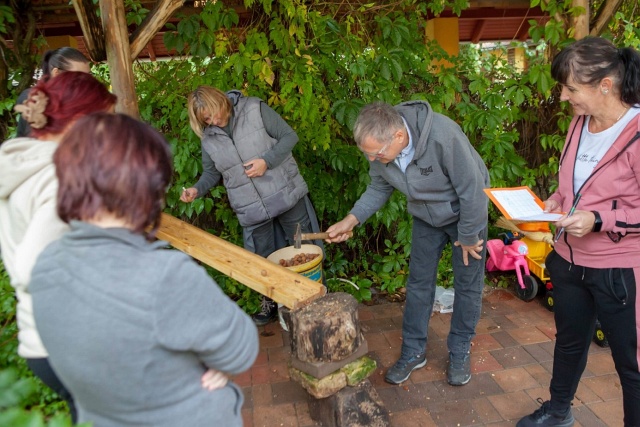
[(426, 171)]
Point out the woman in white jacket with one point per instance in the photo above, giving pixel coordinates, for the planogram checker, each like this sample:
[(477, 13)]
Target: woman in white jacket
[(28, 189)]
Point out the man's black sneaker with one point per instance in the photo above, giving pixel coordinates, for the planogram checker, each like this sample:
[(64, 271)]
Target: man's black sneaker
[(459, 371), (545, 417), (401, 371), (267, 314)]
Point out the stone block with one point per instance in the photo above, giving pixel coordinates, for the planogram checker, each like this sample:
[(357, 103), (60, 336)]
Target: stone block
[(351, 373), (322, 369)]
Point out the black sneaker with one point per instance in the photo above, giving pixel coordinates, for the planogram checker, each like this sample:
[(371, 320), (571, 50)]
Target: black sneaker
[(267, 314), (400, 372), (545, 417), (459, 372)]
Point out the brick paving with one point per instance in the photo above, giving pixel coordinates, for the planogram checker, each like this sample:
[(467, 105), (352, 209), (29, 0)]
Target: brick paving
[(511, 362)]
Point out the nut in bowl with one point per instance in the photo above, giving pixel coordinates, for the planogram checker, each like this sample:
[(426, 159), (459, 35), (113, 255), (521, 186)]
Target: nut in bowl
[(298, 259), (307, 260)]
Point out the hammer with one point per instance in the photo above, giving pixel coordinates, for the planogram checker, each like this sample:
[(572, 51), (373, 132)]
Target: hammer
[(300, 236)]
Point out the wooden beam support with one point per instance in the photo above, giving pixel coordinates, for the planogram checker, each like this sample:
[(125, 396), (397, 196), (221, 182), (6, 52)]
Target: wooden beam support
[(152, 52), (278, 283), (523, 33), (500, 4), (91, 29), (477, 30), (581, 22), (153, 22), (114, 24), (607, 10)]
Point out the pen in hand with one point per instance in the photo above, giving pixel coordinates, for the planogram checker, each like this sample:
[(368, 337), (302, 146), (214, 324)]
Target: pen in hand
[(571, 211)]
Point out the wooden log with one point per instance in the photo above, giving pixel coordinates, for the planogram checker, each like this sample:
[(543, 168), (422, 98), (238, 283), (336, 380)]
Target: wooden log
[(326, 330), (283, 286)]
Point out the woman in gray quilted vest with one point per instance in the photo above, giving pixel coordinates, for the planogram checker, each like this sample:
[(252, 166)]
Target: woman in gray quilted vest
[(247, 144)]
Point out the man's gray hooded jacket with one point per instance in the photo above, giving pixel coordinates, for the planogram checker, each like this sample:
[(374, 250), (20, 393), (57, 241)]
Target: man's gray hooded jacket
[(444, 181)]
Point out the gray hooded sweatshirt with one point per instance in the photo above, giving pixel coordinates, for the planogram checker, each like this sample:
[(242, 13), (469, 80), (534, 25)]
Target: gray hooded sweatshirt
[(131, 327), (444, 181)]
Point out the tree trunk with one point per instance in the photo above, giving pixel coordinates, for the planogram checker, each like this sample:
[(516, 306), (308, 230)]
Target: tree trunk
[(327, 330)]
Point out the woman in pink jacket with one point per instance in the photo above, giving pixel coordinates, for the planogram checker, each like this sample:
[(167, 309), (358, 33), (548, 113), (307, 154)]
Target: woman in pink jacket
[(595, 265)]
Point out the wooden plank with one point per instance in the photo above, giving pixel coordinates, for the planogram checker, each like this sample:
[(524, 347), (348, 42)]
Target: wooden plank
[(278, 283)]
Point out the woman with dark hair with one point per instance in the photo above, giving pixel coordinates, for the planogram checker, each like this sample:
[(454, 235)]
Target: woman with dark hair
[(141, 335), (595, 264), (53, 63), (63, 59), (247, 145), (28, 196)]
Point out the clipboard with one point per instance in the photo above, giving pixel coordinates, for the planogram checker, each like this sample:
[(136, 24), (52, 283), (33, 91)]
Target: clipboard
[(520, 204)]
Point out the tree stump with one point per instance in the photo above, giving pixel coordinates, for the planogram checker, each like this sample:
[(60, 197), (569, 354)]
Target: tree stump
[(327, 330)]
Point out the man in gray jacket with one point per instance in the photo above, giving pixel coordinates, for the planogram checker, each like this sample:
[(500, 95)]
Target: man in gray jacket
[(426, 156)]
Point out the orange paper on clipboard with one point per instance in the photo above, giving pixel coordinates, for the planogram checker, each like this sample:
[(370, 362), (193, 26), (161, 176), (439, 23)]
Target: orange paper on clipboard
[(520, 204)]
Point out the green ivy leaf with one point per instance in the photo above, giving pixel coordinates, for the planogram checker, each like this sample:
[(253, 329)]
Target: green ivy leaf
[(22, 418), (397, 70), (385, 70)]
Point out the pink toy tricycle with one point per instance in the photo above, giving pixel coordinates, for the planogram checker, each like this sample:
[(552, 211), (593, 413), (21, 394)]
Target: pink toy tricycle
[(510, 253)]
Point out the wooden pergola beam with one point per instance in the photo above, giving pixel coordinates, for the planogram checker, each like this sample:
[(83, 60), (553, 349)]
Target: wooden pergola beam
[(152, 52), (501, 4), (108, 38), (477, 30), (119, 60), (91, 29), (607, 10), (523, 33), (154, 21), (581, 22)]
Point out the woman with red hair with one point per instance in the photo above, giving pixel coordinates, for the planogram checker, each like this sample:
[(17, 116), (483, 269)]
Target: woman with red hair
[(28, 188), (54, 63)]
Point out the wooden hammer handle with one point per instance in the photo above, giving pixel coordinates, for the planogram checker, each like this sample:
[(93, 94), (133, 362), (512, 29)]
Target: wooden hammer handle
[(315, 236)]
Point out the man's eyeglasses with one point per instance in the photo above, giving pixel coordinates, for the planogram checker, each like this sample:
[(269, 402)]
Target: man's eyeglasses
[(380, 153)]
